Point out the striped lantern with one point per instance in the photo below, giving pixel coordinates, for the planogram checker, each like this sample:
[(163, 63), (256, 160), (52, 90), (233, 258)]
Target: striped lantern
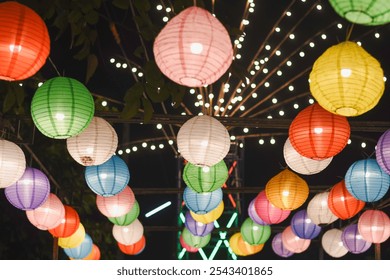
[(186, 246), (253, 214), (303, 227), (197, 228), (374, 226), (211, 216), (353, 241), (117, 205), (68, 225), (253, 233), (130, 234), (127, 218), (202, 203), (382, 151), (94, 254), (318, 210), (194, 240), (74, 240), (269, 213), (332, 244), (133, 249), (242, 248), (12, 163), (81, 251), (292, 242), (278, 247)]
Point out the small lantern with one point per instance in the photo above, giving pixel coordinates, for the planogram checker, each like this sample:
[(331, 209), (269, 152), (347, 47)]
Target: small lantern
[(117, 205), (130, 234), (269, 213), (133, 249), (68, 225), (292, 242), (332, 244), (242, 248), (81, 251), (186, 246), (382, 151), (353, 241), (194, 240), (203, 141), (30, 191), (318, 210), (95, 145), (197, 228), (62, 107), (127, 218), (346, 80), (374, 226), (318, 134), (94, 254), (278, 247), (74, 240), (253, 214), (12, 163), (205, 179), (211, 216), (24, 42), (202, 203), (303, 227), (253, 233), (202, 48), (287, 190)]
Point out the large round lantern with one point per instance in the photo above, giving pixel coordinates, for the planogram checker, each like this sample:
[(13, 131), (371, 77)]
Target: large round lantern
[(346, 80), (318, 210), (382, 151), (197, 228), (62, 107), (186, 246), (194, 240), (374, 226), (253, 233), (205, 179), (202, 203), (342, 203), (353, 241), (30, 191), (74, 240), (203, 49), (365, 12), (292, 242), (287, 190), (127, 218), (242, 248), (332, 244), (269, 213), (49, 215), (68, 225), (211, 216), (301, 164), (318, 134), (253, 214), (81, 251), (365, 180), (24, 42), (95, 145), (117, 205), (303, 227), (133, 249), (278, 247), (12, 163), (203, 141), (130, 234)]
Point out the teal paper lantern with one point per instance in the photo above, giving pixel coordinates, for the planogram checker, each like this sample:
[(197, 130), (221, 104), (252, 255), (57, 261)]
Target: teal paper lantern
[(202, 203), (128, 218), (62, 108), (253, 233)]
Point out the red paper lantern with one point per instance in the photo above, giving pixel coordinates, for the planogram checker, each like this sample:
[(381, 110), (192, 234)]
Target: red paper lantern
[(69, 224), (374, 226), (133, 249), (24, 41), (318, 134)]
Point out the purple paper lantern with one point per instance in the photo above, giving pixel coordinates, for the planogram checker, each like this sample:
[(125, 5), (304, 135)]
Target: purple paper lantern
[(303, 226), (382, 151), (253, 214), (197, 228), (30, 191), (278, 247), (353, 241)]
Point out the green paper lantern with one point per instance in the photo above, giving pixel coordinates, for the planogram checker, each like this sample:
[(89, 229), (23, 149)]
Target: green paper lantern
[(195, 241), (62, 108), (128, 218), (365, 12), (253, 233), (205, 179)]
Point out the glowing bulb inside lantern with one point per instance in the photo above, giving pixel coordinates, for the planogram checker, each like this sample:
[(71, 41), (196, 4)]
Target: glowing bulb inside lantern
[(15, 48), (324, 202), (204, 143), (60, 116), (103, 175), (255, 228), (341, 244), (346, 72), (342, 198), (374, 228), (308, 221), (125, 229), (318, 130), (285, 193), (206, 169), (200, 224), (89, 150), (196, 48)]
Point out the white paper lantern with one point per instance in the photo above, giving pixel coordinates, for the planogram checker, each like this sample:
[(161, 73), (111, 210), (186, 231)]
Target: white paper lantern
[(318, 210), (203, 141), (332, 243), (95, 145), (12, 163), (129, 234)]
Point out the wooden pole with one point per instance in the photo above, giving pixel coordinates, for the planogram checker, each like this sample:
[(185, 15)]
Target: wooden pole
[(55, 248), (377, 251)]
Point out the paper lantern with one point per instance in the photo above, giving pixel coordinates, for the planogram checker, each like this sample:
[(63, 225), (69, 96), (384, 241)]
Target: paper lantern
[(197, 228), (303, 227), (365, 12), (24, 42), (94, 254), (74, 240), (95, 145), (332, 244), (186, 246), (81, 251), (194, 240), (318, 210), (205, 179), (278, 247), (253, 233), (203, 141), (346, 80), (242, 248), (202, 203), (318, 134), (211, 216), (30, 191), (233, 244), (292, 242), (193, 49), (130, 234), (12, 163), (68, 225), (287, 190), (269, 213), (365, 180), (342, 203), (127, 218), (117, 205), (62, 107), (133, 249), (49, 215), (301, 164), (353, 241), (382, 151), (253, 214), (374, 226)]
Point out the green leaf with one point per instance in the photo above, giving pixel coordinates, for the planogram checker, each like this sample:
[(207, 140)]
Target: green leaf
[(157, 95), (153, 74), (130, 109), (9, 101), (74, 16), (92, 17), (92, 64), (148, 109), (142, 5), (121, 4), (139, 52), (84, 52), (19, 95), (133, 93)]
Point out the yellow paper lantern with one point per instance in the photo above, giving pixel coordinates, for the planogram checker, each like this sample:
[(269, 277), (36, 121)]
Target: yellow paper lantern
[(242, 248), (211, 216), (346, 80), (74, 240)]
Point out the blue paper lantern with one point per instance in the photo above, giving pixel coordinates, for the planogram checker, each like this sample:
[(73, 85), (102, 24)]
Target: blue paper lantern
[(81, 251), (108, 178), (202, 203), (198, 228), (303, 226), (365, 180), (353, 241)]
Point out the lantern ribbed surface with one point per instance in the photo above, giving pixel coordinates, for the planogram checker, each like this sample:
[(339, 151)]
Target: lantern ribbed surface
[(332, 244), (202, 203), (268, 212), (81, 251), (194, 240), (130, 234), (292, 242), (318, 134), (374, 226), (127, 218), (211, 216), (133, 249), (24, 42), (205, 179), (342, 203), (303, 227), (117, 205), (233, 244), (353, 241), (186, 246), (12, 163), (74, 240), (95, 145), (278, 247), (253, 233), (365, 12), (346, 80), (318, 210), (301, 164), (382, 151), (193, 49), (203, 141), (109, 178), (62, 107), (253, 214), (242, 248), (287, 190), (68, 225), (197, 228), (30, 191), (94, 254)]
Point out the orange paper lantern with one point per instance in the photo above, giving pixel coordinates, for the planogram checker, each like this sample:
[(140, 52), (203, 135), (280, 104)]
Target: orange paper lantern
[(133, 249), (69, 224)]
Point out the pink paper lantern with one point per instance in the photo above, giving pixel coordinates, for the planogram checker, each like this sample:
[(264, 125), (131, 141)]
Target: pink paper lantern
[(374, 226), (292, 242), (186, 246), (193, 49), (130, 234), (269, 213), (117, 205)]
